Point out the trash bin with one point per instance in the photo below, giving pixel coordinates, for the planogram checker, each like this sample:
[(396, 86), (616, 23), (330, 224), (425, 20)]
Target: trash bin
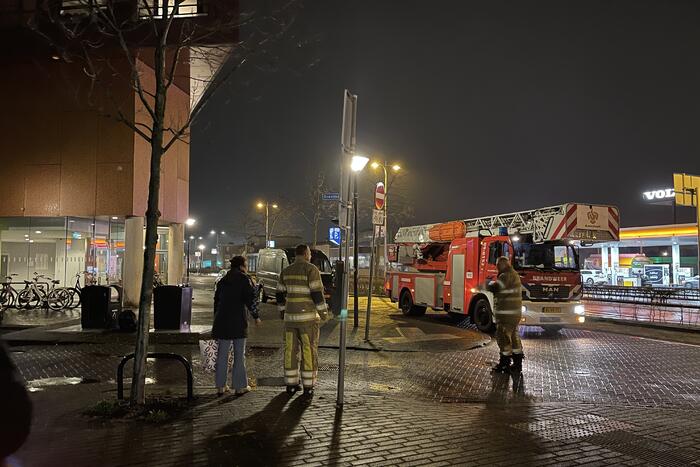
[(172, 307), (99, 306)]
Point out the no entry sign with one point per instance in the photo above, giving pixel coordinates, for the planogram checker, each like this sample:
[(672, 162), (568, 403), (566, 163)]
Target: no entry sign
[(379, 196)]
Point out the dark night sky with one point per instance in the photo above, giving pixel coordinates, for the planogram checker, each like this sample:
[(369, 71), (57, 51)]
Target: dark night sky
[(491, 106)]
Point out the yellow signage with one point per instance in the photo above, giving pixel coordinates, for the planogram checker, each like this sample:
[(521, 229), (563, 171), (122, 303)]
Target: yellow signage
[(686, 188)]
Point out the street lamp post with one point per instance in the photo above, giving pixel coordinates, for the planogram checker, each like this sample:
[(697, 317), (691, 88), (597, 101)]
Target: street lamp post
[(218, 248), (189, 223), (267, 207), (201, 256), (395, 168), (358, 164)]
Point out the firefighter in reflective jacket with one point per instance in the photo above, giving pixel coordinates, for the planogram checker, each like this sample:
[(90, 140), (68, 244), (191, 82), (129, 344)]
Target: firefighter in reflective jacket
[(508, 297), (302, 306)]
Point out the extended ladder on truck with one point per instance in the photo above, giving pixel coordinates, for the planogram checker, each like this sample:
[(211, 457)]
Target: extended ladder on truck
[(550, 223)]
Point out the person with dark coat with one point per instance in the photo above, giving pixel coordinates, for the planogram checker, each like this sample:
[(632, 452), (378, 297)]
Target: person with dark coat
[(235, 295)]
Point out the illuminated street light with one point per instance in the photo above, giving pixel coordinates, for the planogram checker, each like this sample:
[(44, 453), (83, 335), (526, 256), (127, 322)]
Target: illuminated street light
[(396, 167), (358, 163), (189, 223), (267, 205), (212, 232)]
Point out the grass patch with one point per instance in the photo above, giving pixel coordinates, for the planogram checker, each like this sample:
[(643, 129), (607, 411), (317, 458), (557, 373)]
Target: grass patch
[(108, 409), (155, 410)]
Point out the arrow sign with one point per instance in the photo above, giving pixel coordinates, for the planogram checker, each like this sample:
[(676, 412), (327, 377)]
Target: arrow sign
[(379, 196)]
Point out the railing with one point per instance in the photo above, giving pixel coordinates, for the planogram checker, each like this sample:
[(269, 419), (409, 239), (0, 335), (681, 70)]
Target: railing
[(659, 296), (167, 355), (678, 306)]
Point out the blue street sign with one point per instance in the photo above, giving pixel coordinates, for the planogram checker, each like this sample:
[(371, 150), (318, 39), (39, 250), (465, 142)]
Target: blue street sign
[(331, 196), (334, 235)]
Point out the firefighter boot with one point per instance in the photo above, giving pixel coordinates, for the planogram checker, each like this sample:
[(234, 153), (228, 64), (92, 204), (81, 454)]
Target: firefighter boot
[(291, 390), (517, 366), (309, 392), (503, 364)]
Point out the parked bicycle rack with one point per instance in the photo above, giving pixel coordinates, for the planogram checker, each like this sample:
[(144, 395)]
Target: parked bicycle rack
[(166, 355)]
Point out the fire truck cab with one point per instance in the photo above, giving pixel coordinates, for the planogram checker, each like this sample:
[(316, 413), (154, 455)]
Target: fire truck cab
[(447, 266)]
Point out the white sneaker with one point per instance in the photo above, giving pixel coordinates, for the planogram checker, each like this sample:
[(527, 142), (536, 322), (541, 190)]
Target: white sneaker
[(243, 391)]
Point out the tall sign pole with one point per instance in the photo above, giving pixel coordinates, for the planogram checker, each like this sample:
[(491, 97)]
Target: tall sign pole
[(378, 218), (348, 139), (386, 233), (355, 255)]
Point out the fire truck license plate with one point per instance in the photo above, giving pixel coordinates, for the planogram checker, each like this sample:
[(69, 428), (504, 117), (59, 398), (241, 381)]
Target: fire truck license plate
[(551, 309)]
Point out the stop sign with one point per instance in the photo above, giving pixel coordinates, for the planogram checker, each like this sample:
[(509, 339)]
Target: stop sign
[(379, 196)]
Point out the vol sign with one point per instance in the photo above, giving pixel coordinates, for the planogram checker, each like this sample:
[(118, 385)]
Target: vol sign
[(379, 196)]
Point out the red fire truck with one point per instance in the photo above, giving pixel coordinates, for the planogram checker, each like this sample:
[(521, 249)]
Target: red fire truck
[(446, 266)]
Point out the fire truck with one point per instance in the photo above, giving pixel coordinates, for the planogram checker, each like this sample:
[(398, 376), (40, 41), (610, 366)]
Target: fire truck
[(446, 266)]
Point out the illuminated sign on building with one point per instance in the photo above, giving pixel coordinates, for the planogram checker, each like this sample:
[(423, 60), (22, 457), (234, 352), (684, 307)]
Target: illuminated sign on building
[(656, 195)]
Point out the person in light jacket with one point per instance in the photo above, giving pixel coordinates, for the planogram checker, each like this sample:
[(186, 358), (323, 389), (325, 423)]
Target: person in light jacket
[(235, 296)]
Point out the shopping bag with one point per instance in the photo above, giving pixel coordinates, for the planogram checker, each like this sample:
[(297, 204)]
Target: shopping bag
[(209, 350)]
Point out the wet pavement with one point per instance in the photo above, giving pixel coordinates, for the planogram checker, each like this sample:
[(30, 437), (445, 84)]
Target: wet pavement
[(419, 392), (577, 365)]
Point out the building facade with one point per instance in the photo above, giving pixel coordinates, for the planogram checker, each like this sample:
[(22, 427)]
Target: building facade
[(74, 179)]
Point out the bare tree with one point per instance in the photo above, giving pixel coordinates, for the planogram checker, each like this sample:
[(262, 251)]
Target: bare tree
[(249, 226), (314, 209), (148, 46)]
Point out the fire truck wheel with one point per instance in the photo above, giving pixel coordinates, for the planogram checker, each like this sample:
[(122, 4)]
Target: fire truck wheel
[(407, 306), (482, 316)]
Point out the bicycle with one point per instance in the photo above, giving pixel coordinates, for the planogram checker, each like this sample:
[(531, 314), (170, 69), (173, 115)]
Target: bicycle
[(34, 294), (8, 294), (75, 292)]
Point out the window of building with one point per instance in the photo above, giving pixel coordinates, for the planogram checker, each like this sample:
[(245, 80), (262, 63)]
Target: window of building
[(180, 8)]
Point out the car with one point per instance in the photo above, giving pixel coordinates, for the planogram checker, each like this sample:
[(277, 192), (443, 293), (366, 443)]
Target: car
[(271, 262), (593, 277), (692, 282)]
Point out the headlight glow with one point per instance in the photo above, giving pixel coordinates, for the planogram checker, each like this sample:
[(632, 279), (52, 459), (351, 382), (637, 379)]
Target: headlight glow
[(579, 309)]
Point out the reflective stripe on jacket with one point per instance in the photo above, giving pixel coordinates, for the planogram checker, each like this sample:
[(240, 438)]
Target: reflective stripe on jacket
[(507, 291), (300, 293)]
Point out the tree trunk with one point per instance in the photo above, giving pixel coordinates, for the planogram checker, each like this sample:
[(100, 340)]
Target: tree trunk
[(138, 381)]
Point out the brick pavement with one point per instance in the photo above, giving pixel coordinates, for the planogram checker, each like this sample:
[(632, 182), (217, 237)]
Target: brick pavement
[(265, 427), (585, 397), (577, 365)]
